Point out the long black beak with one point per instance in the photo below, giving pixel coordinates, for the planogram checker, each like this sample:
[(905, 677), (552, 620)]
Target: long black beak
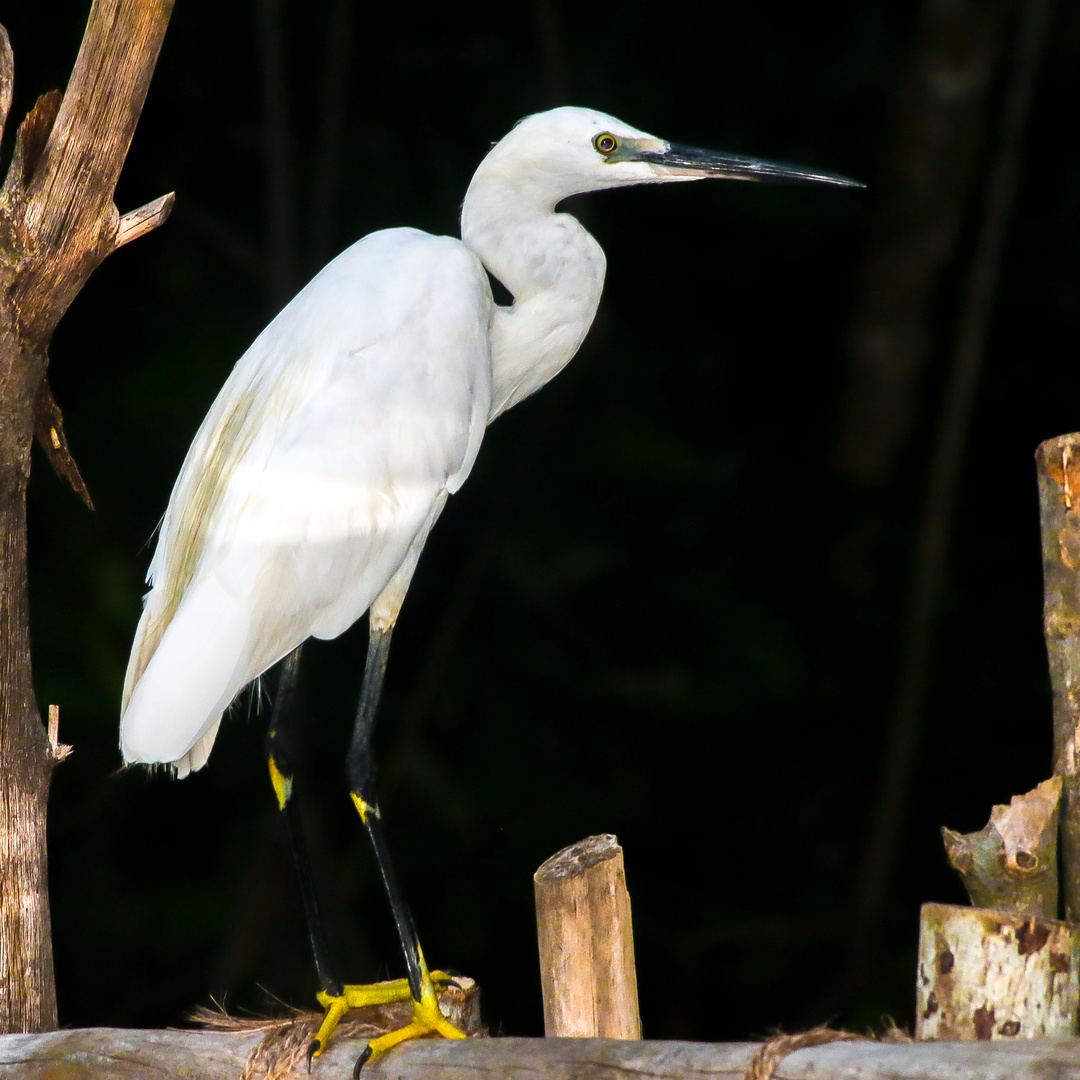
[(705, 163)]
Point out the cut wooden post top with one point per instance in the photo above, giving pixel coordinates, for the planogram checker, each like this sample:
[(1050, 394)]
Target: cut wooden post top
[(587, 942), (986, 974), (577, 858)]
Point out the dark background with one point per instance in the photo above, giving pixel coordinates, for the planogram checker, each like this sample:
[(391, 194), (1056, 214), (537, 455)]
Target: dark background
[(665, 605)]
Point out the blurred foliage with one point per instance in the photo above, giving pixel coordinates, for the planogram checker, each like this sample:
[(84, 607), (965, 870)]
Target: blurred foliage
[(650, 611)]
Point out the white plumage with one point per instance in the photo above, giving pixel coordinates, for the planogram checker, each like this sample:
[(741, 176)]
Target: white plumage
[(324, 460), (312, 484)]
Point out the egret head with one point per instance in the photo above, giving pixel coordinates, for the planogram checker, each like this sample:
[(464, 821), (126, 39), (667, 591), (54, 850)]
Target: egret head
[(567, 151)]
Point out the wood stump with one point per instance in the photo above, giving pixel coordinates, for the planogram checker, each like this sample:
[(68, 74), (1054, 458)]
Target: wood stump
[(987, 974), (587, 942)]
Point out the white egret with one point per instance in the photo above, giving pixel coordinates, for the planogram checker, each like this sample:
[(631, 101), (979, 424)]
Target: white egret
[(312, 484)]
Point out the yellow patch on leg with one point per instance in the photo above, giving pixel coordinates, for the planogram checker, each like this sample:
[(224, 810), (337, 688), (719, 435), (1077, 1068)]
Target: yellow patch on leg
[(364, 808), (282, 783)]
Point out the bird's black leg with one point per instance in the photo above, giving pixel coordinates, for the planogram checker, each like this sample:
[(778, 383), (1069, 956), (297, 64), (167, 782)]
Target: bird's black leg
[(282, 752), (360, 766), (281, 759)]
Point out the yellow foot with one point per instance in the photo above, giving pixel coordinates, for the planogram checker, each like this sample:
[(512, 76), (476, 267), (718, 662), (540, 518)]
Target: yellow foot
[(427, 1016)]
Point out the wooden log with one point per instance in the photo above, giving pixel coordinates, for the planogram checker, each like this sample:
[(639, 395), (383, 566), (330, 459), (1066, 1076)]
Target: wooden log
[(116, 1054), (587, 942), (986, 974), (1058, 464)]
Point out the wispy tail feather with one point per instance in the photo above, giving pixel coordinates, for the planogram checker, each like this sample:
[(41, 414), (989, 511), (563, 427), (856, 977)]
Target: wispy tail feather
[(173, 705)]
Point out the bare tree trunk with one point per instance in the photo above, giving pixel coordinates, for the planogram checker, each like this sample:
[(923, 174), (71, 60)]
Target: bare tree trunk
[(27, 991), (57, 223)]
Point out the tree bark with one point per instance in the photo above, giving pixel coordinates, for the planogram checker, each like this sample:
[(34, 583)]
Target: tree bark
[(57, 223), (27, 993), (1058, 464)]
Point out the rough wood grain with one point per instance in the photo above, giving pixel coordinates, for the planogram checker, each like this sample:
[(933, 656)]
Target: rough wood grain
[(587, 942), (115, 1054), (66, 204), (57, 222), (988, 975), (1058, 464), (7, 78)]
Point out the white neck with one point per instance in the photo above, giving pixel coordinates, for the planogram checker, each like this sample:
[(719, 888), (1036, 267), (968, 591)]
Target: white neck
[(553, 268)]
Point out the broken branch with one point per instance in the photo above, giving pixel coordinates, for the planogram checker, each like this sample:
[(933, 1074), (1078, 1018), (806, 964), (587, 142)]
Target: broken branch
[(137, 223), (49, 432)]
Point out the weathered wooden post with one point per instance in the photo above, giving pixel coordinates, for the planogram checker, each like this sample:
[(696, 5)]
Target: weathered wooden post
[(1058, 464), (587, 942), (1005, 968)]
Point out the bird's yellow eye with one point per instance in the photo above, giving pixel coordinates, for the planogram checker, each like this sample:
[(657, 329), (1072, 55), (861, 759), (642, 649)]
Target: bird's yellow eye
[(605, 142)]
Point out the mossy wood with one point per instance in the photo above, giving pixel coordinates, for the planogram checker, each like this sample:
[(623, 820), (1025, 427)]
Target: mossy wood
[(586, 942), (57, 223), (1058, 464), (115, 1054)]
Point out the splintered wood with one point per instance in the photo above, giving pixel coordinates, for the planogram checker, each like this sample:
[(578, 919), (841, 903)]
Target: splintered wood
[(1011, 864), (587, 942)]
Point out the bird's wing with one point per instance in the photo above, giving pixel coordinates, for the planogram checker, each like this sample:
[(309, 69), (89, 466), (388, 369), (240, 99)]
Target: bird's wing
[(329, 448)]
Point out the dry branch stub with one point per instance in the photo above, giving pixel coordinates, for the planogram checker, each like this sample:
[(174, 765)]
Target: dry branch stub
[(1011, 864), (990, 975), (587, 942)]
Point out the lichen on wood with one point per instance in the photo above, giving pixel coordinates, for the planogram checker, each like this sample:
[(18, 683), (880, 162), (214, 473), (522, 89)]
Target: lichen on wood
[(987, 975)]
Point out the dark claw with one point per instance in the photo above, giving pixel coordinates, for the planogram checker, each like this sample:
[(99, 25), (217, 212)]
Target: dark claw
[(313, 1047), (361, 1061), (449, 982)]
